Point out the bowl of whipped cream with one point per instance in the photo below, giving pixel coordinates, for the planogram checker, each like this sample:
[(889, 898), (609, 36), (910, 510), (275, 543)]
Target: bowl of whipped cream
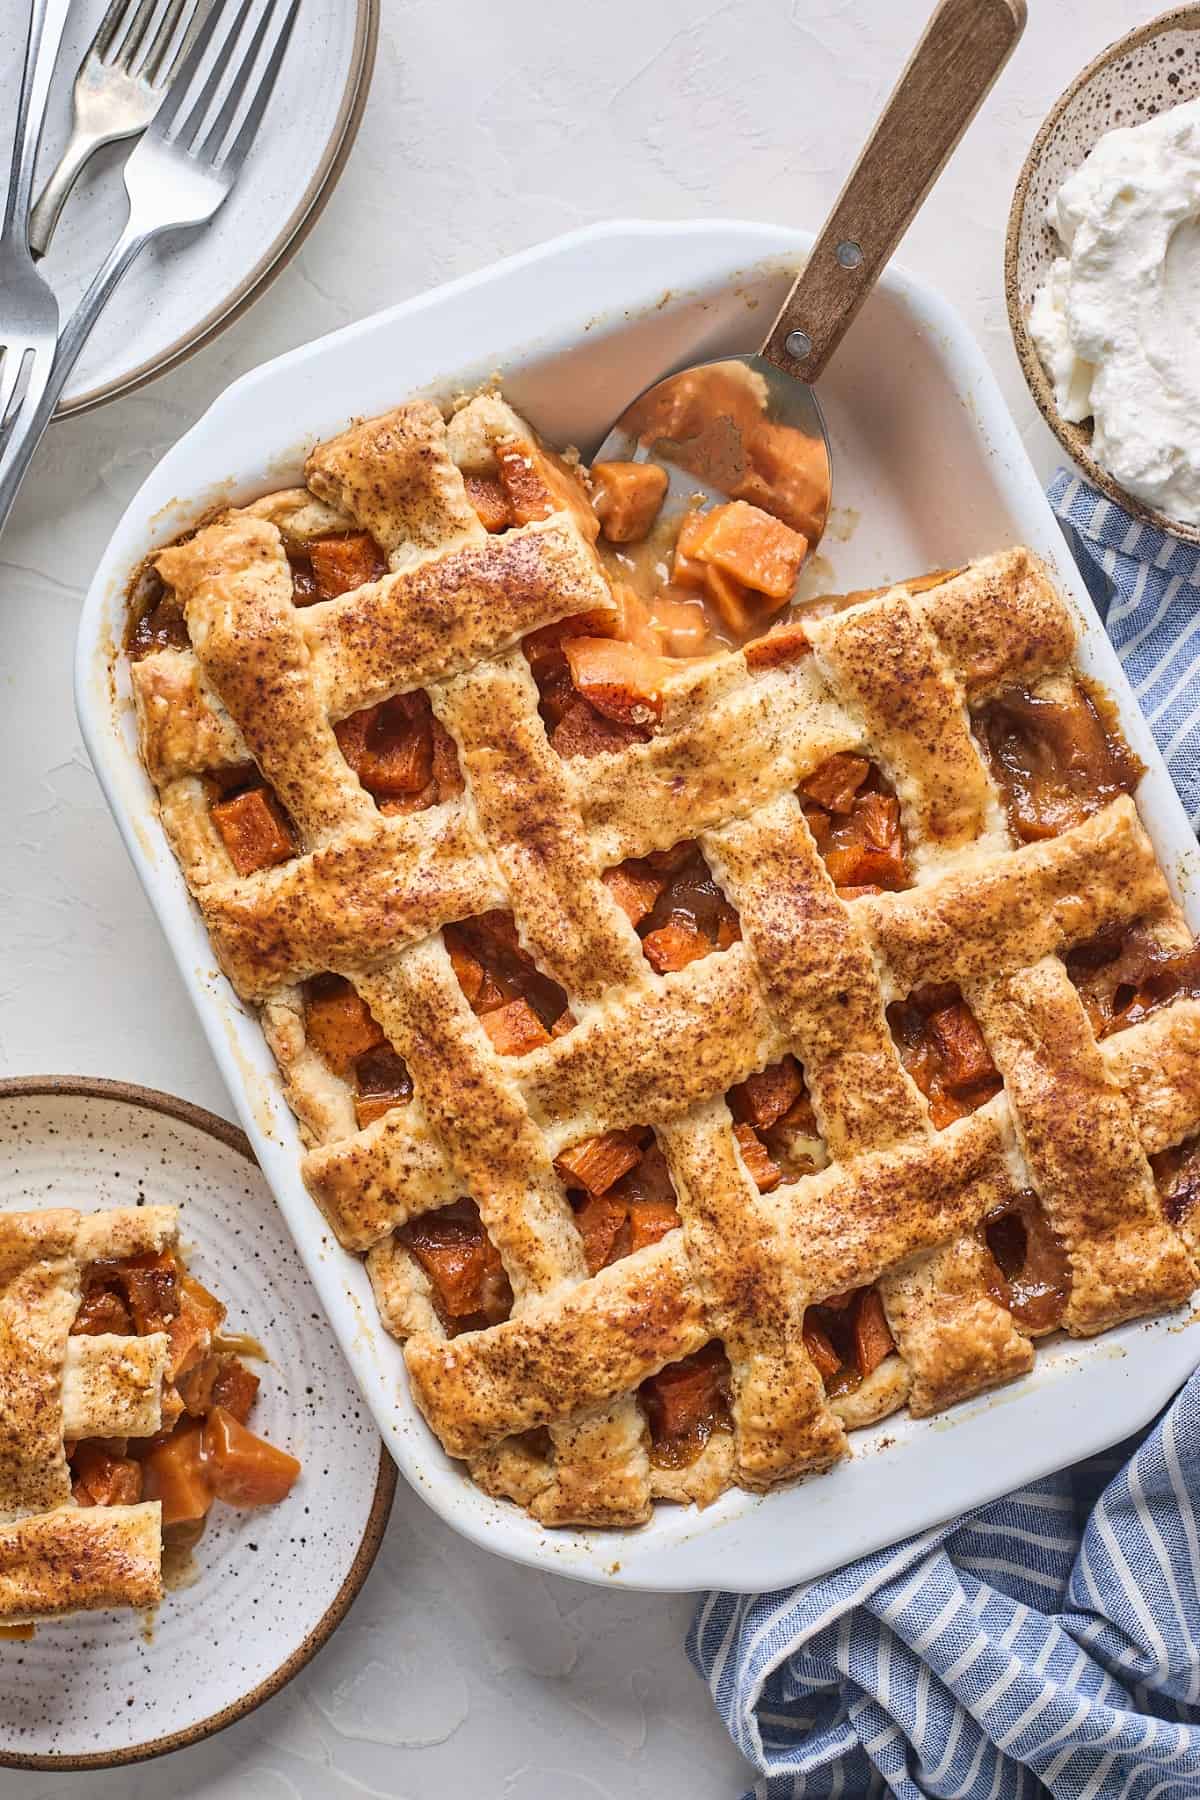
[(1102, 271)]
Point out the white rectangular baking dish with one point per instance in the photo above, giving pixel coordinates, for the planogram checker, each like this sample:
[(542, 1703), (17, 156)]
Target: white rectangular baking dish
[(929, 472)]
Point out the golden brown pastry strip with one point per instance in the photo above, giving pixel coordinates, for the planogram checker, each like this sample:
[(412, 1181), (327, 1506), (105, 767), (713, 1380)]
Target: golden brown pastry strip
[(1078, 1139), (80, 1559)]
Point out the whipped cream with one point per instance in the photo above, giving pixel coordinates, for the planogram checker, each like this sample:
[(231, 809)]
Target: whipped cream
[(1117, 322)]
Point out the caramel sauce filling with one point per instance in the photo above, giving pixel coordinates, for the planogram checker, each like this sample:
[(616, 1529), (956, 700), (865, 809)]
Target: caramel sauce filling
[(1056, 758), (1032, 1271)]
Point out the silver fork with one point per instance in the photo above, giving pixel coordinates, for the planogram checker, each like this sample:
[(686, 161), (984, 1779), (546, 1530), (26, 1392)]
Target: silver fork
[(118, 90), (28, 309), (177, 176)]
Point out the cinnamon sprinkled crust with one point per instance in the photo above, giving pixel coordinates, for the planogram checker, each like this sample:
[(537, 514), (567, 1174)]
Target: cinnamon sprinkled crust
[(542, 1404), (54, 1557), (81, 1559)]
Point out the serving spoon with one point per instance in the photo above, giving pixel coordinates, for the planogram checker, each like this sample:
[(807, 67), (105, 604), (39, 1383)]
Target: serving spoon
[(750, 427)]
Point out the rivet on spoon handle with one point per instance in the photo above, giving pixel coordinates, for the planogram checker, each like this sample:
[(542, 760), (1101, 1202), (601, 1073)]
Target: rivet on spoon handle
[(965, 46)]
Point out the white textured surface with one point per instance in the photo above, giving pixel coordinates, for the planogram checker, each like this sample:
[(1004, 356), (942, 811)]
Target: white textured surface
[(485, 131)]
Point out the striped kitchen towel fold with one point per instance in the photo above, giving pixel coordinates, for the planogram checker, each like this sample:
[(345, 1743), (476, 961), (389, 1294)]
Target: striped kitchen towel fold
[(1050, 1642)]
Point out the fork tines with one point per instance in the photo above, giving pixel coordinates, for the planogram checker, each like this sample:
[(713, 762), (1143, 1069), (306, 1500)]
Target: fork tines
[(226, 80), (132, 39)]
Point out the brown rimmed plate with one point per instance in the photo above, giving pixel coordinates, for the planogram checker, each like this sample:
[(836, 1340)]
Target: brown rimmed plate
[(272, 1584), (181, 293)]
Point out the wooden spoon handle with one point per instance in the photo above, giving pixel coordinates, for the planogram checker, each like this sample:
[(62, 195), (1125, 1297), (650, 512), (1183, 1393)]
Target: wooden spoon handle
[(965, 46)]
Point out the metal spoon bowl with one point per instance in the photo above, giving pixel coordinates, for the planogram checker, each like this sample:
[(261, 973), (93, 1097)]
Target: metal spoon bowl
[(750, 427)]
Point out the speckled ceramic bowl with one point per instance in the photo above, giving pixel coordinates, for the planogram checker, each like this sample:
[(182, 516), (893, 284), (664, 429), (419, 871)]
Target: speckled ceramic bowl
[(1155, 67), (271, 1584)]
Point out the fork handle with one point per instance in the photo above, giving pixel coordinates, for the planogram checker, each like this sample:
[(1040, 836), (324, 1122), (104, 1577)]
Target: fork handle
[(46, 21), (82, 146), (27, 432)]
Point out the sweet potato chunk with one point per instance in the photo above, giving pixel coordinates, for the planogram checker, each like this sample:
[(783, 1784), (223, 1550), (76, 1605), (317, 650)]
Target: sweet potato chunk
[(468, 969), (600, 1221), (622, 681), (819, 1346), (681, 623), (872, 1338), (598, 1162), (582, 731), (242, 1468), (867, 848), (190, 1332), (634, 1212), (390, 747), (687, 570), (835, 783), (763, 1171), (515, 1029), (747, 543), (651, 1180), (784, 643), (763, 1099), (538, 484), (627, 498), (98, 1478), (152, 1290), (490, 501), (674, 945), (161, 627), (950, 1063), (342, 563), (684, 1397), (788, 475), (730, 600), (234, 1387), (194, 1387), (685, 1403), (338, 1024), (630, 621), (102, 1310), (635, 887), (1055, 761), (965, 1057), (254, 830), (175, 1474), (650, 1220), (462, 1263)]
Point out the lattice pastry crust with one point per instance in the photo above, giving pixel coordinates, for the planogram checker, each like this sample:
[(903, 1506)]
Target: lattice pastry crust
[(57, 1558), (542, 1406)]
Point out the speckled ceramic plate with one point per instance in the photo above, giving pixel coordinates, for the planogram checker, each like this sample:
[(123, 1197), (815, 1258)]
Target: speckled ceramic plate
[(272, 1583), (183, 291), (1155, 67)]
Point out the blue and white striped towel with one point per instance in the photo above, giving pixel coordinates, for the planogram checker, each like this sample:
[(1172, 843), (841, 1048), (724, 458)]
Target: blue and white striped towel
[(1049, 1642), (1147, 587)]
